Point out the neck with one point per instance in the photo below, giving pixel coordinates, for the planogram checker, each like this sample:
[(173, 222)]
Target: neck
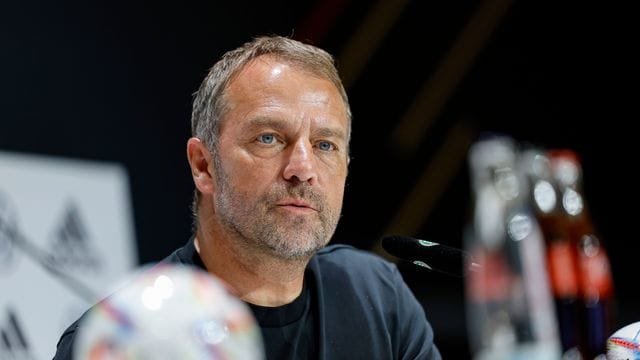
[(252, 276)]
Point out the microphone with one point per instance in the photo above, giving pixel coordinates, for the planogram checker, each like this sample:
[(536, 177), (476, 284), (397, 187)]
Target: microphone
[(431, 255)]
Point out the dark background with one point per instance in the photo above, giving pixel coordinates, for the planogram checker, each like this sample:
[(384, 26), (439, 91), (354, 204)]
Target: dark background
[(112, 81)]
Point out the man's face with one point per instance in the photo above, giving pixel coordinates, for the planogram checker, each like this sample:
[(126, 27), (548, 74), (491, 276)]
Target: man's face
[(282, 159)]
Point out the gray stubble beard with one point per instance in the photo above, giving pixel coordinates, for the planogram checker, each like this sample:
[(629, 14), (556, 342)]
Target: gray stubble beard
[(258, 225)]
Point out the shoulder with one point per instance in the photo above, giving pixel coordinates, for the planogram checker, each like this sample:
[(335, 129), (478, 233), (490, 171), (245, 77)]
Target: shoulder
[(64, 348), (348, 256), (360, 267), (369, 291), (185, 255)]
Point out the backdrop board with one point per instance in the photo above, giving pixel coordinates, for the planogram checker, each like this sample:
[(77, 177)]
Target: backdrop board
[(66, 237)]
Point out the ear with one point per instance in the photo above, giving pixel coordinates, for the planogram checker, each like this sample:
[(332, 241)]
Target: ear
[(201, 163)]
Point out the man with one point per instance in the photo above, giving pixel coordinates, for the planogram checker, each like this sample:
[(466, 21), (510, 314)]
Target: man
[(269, 154)]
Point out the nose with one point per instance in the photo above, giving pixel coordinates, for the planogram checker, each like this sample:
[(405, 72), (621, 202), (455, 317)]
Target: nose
[(300, 164)]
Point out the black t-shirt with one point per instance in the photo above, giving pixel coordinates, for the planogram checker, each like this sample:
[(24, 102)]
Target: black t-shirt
[(289, 331), (355, 306)]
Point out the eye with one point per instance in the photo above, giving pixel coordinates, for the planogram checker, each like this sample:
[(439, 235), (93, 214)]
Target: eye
[(267, 138), (326, 146)]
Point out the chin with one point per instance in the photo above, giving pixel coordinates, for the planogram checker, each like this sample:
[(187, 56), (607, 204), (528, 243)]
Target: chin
[(298, 253)]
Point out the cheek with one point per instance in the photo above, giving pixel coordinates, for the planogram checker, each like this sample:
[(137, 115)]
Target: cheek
[(336, 192), (254, 176)]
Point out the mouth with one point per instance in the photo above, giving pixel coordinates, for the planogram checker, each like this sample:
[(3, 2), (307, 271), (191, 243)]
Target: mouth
[(296, 205)]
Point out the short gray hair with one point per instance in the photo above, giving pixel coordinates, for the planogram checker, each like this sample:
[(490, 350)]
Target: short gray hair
[(210, 105)]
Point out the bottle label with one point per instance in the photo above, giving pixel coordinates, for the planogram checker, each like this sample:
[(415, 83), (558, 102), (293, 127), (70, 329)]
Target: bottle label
[(562, 269), (494, 282), (596, 275)]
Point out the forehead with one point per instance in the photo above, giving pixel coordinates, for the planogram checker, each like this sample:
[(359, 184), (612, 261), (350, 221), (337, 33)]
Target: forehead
[(269, 82), (271, 61), (269, 69)]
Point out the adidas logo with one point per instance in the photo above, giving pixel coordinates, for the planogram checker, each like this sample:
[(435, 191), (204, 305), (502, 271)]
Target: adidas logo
[(13, 343), (70, 247), (7, 232)]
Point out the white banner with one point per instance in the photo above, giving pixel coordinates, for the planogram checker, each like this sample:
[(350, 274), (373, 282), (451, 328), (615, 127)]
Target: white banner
[(66, 236)]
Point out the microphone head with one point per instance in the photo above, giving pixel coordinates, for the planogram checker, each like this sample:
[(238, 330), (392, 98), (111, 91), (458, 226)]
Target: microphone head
[(428, 254)]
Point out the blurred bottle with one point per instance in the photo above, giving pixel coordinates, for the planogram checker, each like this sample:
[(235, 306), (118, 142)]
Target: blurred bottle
[(593, 268), (561, 254), (509, 305)]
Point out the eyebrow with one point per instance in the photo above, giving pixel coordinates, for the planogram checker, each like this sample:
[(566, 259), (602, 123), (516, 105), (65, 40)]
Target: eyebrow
[(281, 125), (330, 132), (261, 122)]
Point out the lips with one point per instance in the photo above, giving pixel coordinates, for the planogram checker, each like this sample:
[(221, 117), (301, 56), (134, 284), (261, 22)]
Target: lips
[(299, 203)]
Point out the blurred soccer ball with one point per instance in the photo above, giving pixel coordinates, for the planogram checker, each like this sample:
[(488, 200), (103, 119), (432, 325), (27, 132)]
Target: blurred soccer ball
[(169, 312), (624, 344)]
